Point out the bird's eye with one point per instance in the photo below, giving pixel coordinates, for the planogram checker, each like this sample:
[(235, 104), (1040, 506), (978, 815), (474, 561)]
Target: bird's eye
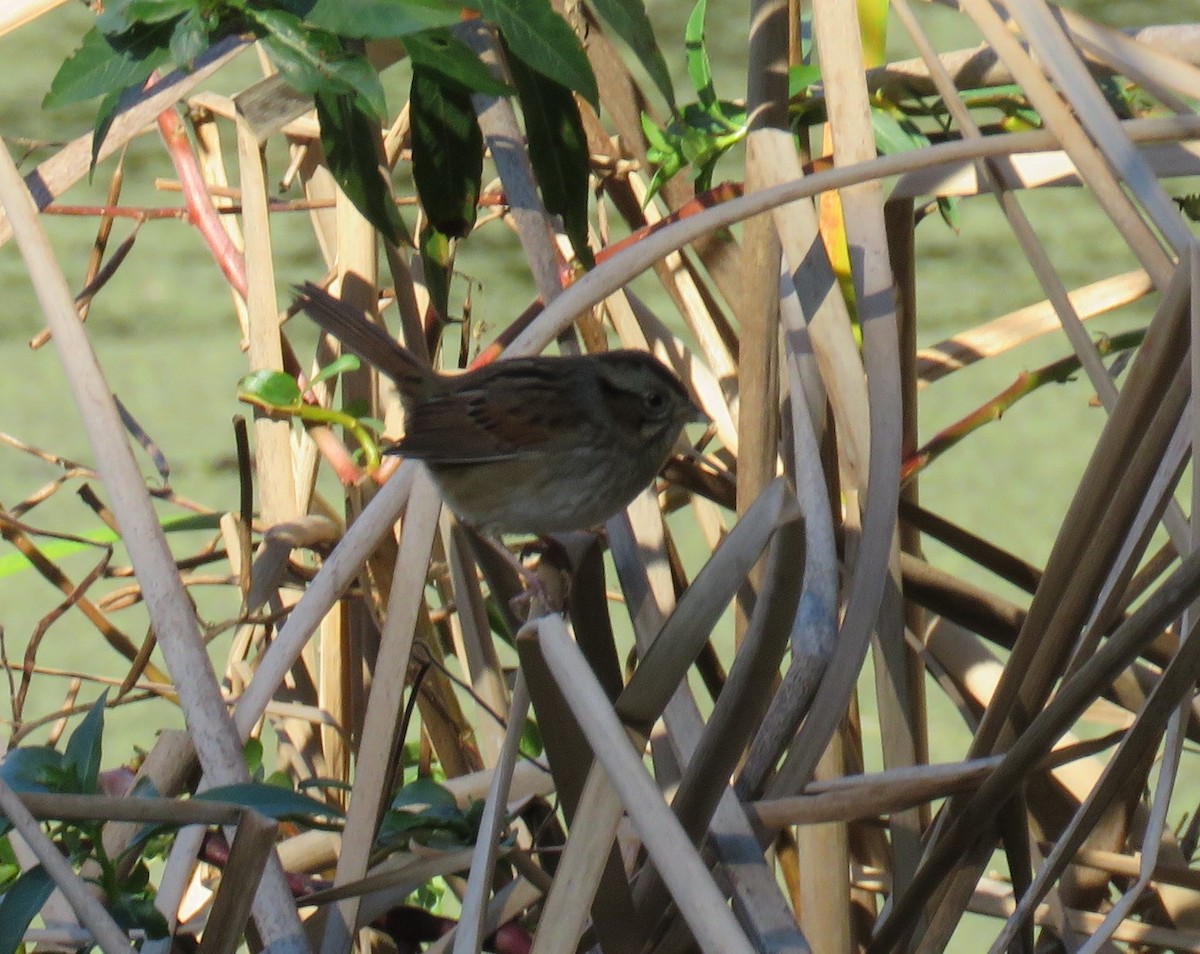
[(655, 403)]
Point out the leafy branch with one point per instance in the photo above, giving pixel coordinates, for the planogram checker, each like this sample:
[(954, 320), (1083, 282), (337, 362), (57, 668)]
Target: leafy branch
[(319, 47)]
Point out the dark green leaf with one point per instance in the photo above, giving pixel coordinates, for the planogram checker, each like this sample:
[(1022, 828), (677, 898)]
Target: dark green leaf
[(20, 904), (424, 793), (315, 62), (271, 387), (24, 769), (531, 740), (948, 206), (189, 38), (628, 18), (105, 113), (156, 11), (351, 143), (447, 149), (133, 913), (429, 810), (557, 149), (376, 19), (84, 747), (108, 64), (138, 878), (439, 50), (546, 42), (449, 832), (347, 362), (269, 800)]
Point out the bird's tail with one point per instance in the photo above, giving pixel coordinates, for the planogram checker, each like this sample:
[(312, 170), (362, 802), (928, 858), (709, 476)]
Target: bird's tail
[(365, 338)]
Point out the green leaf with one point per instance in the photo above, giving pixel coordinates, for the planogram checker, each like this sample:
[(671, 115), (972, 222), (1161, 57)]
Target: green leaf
[(437, 266), (948, 207), (628, 18), (105, 113), (451, 831), (271, 387), (439, 50), (425, 808), (20, 904), (189, 38), (447, 152), (272, 801), (82, 754), (24, 769), (531, 745), (546, 42), (252, 754), (133, 913), (424, 793), (347, 362), (895, 134), (9, 873), (350, 139), (557, 149), (802, 78), (315, 62), (376, 19), (156, 11), (698, 66), (108, 64)]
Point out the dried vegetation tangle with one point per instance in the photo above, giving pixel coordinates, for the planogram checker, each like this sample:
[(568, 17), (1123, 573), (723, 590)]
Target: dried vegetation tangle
[(377, 620)]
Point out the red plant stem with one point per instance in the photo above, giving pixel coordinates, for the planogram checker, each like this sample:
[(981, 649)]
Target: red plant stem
[(200, 208)]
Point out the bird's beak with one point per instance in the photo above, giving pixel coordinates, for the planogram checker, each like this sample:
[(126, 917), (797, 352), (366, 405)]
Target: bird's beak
[(697, 416)]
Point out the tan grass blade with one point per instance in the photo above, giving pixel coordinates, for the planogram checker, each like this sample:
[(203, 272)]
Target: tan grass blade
[(253, 842), (470, 931), (1062, 62), (1088, 158), (691, 885), (273, 443), (378, 743), (337, 573), (1017, 327)]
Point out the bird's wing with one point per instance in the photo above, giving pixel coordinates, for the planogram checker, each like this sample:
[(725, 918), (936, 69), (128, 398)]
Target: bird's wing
[(476, 425)]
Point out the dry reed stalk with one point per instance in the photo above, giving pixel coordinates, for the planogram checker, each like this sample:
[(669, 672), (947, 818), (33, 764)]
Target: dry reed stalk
[(167, 602), (470, 931), (379, 744), (1074, 635), (691, 884), (1017, 327)]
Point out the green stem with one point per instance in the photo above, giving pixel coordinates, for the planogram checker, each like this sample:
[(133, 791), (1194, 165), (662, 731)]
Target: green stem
[(1057, 372)]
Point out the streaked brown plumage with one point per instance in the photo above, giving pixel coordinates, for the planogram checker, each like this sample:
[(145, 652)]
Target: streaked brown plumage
[(531, 445)]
